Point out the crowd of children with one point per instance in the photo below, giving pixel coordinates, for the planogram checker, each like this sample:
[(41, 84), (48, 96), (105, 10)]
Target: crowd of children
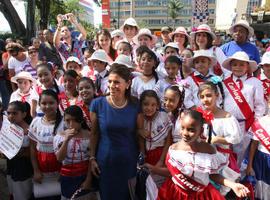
[(200, 119)]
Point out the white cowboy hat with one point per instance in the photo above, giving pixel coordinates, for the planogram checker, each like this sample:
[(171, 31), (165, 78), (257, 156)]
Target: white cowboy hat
[(265, 58), (244, 24), (203, 28), (74, 59), (124, 60), (23, 75), (131, 22), (204, 53), (117, 32), (172, 45), (101, 55), (180, 30), (144, 31), (242, 56)]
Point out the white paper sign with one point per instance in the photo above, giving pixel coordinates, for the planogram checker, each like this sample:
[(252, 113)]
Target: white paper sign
[(11, 139)]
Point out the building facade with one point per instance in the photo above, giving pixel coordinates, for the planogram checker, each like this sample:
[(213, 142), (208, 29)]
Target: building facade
[(153, 14)]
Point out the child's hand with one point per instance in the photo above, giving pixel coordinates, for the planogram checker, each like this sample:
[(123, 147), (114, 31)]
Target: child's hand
[(249, 170), (149, 166), (240, 190), (94, 168), (69, 133), (38, 176), (144, 133)]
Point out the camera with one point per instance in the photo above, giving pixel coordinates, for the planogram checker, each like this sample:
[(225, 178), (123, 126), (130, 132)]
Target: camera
[(64, 17)]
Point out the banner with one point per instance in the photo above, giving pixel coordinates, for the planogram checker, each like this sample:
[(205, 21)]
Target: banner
[(200, 12), (106, 20), (11, 139)]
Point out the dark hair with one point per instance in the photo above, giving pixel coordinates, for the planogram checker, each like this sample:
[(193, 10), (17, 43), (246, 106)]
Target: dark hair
[(149, 93), (186, 40), (23, 107), (77, 113), (106, 33), (181, 94), (72, 73), (209, 41), (153, 56), (51, 69), (210, 85), (124, 73), (54, 95), (178, 61), (90, 81), (194, 114)]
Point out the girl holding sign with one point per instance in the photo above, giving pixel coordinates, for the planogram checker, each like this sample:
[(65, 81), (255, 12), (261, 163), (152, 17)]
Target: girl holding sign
[(41, 132), (19, 168)]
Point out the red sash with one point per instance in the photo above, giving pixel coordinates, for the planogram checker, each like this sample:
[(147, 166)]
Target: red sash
[(184, 181), (64, 101), (75, 169), (261, 134), (217, 68), (197, 79), (86, 112), (266, 88), (240, 101), (39, 90)]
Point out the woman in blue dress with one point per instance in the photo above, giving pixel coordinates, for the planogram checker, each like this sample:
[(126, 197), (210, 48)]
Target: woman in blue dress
[(113, 147)]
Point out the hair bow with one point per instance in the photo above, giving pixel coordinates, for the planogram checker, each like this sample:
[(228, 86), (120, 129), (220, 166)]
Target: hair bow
[(215, 79), (194, 29), (207, 115)]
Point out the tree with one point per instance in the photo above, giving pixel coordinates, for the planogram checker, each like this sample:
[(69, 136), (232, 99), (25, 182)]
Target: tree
[(11, 15), (174, 9)]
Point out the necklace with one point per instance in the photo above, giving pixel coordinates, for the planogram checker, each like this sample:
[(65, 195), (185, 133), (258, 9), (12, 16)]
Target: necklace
[(116, 106)]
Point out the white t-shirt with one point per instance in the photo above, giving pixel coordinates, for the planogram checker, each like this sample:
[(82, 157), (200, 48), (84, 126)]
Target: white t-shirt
[(17, 65)]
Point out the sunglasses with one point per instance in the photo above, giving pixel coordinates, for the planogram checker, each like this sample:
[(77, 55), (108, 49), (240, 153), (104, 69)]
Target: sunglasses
[(31, 52)]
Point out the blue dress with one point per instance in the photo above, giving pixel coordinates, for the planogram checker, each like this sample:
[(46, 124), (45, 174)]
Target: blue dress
[(117, 148)]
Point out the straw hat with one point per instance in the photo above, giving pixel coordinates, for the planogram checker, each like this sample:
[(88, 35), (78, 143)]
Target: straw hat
[(74, 59), (100, 55), (166, 29), (117, 32), (180, 30), (172, 45), (204, 53), (131, 22), (265, 58), (23, 75), (203, 28), (244, 24), (242, 56), (124, 60), (144, 31)]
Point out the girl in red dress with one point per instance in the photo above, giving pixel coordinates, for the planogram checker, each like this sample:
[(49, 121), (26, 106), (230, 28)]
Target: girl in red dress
[(191, 164)]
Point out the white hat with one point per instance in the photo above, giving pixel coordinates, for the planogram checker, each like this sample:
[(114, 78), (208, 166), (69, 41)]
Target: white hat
[(74, 59), (124, 60), (117, 32), (180, 30), (120, 41), (242, 56), (23, 75), (131, 22), (265, 58), (101, 55), (144, 31), (172, 45), (245, 24), (203, 28), (204, 53)]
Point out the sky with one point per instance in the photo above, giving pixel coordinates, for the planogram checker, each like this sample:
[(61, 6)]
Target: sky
[(19, 6)]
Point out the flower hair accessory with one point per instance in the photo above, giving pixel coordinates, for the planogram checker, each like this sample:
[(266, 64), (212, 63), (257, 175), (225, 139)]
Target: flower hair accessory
[(215, 79), (207, 115)]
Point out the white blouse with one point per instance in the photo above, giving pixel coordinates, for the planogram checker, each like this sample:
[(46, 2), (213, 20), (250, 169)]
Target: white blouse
[(138, 86)]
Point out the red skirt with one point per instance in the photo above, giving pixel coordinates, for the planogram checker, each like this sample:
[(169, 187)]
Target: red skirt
[(47, 162), (153, 156), (232, 159), (169, 190)]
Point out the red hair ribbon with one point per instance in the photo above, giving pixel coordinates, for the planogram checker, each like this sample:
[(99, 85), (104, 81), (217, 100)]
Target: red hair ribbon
[(207, 115)]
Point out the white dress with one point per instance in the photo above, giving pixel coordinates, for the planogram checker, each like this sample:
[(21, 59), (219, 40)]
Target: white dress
[(138, 86)]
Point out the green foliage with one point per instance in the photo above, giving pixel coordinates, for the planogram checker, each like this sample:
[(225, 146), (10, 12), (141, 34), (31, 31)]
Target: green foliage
[(90, 29), (4, 36), (174, 9), (72, 6)]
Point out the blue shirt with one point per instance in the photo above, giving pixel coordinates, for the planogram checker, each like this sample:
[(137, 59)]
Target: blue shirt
[(231, 47)]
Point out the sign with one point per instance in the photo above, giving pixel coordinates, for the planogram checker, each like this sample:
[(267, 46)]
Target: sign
[(11, 139), (106, 20)]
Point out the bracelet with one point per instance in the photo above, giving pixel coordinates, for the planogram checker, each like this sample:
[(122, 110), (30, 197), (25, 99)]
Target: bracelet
[(92, 158)]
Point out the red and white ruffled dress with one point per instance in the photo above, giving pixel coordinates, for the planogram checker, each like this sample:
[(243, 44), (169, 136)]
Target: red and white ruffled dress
[(190, 175)]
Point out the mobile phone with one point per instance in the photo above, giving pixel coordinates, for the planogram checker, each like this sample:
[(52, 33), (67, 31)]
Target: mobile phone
[(64, 17)]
